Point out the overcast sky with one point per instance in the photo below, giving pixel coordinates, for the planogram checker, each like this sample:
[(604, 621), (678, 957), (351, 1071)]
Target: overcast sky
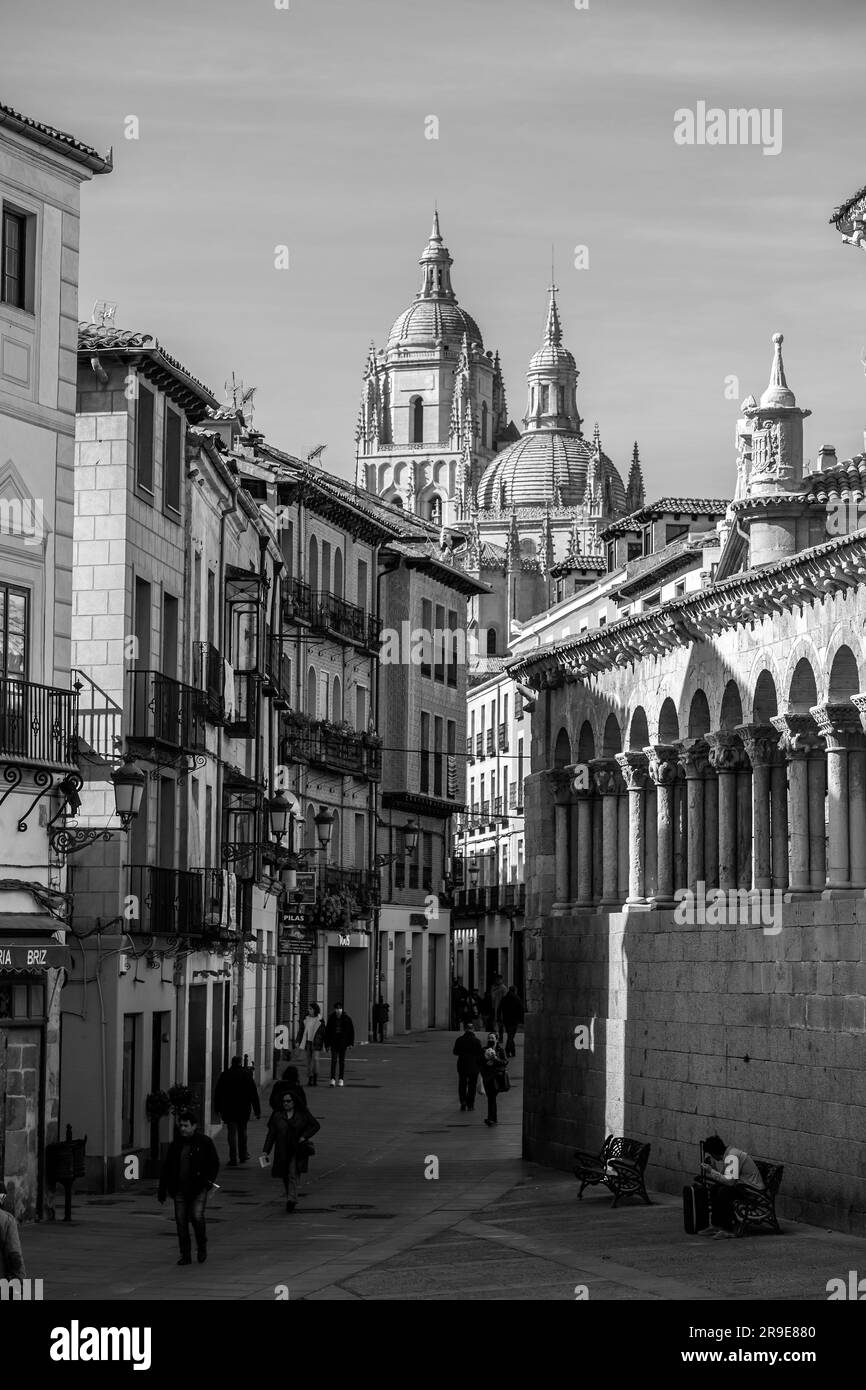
[(306, 127)]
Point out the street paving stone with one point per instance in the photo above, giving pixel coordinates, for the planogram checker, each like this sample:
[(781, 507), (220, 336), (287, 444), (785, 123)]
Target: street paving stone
[(371, 1226)]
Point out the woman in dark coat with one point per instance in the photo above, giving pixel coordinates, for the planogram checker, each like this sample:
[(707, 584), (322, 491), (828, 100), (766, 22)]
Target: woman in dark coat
[(493, 1066), (289, 1133)]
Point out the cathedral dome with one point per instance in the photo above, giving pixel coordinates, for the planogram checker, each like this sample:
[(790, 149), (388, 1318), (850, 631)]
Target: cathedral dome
[(434, 314), (548, 466), (428, 320)]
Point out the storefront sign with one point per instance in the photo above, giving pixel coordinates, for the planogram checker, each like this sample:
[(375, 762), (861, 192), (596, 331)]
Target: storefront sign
[(17, 955), (295, 941), (354, 940), (305, 886)]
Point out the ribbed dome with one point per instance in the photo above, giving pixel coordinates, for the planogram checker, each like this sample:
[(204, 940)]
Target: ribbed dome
[(552, 355), (545, 466), (428, 320)]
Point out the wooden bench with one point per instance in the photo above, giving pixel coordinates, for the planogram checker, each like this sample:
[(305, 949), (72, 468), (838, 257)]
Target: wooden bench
[(752, 1207), (619, 1167)]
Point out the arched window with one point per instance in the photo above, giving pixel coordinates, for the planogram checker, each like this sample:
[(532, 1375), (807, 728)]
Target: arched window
[(337, 701), (484, 424), (491, 641), (338, 573), (313, 564), (416, 408), (312, 686)]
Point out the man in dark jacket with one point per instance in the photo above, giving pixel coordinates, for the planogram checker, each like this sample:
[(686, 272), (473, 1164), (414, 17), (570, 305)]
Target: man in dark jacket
[(469, 1054), (511, 1014), (339, 1034), (11, 1258), (235, 1096), (188, 1173)]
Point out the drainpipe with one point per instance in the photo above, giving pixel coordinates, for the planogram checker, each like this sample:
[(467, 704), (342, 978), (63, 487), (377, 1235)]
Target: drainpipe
[(374, 803), (225, 513)]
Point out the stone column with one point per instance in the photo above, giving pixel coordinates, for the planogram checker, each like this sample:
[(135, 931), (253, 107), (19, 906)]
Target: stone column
[(681, 830), (694, 761), (560, 782), (597, 852), (582, 814), (857, 799), (799, 739), (816, 776), (759, 742), (663, 771), (635, 770), (651, 839), (839, 724), (726, 757), (711, 825), (605, 775), (622, 841)]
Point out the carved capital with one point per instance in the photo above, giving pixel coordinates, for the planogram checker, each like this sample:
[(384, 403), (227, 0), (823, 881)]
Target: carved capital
[(839, 724), (760, 742), (605, 776), (726, 751), (663, 767), (694, 758), (799, 737), (560, 784), (634, 767)]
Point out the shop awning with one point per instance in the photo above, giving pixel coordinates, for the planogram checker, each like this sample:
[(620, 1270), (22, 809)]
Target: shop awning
[(31, 953)]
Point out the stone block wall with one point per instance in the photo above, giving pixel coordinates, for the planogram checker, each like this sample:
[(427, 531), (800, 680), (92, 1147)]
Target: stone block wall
[(700, 1029)]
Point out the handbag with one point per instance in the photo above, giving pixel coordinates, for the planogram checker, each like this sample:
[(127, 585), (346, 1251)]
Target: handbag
[(503, 1080), (319, 1039)]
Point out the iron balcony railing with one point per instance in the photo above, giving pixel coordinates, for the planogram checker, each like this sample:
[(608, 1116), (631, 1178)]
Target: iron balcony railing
[(98, 720), (278, 671), (211, 682), (222, 905), (327, 745), (169, 902), (326, 612), (361, 884), (37, 724), (165, 711)]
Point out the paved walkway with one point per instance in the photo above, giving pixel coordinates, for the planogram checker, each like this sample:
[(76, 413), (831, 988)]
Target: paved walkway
[(373, 1226)]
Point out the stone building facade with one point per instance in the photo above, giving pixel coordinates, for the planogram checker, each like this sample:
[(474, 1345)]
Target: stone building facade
[(41, 173), (696, 841)]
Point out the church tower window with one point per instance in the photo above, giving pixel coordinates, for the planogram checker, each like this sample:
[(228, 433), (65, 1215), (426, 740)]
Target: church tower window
[(491, 641), (416, 408), (545, 399)]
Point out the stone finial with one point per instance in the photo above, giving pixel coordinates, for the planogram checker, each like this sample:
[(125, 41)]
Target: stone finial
[(778, 393)]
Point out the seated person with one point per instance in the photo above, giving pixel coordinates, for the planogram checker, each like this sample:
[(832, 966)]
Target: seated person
[(728, 1171)]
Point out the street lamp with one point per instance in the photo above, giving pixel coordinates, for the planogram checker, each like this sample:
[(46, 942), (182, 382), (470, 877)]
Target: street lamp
[(473, 871), (279, 811), (324, 823), (410, 836), (128, 781)]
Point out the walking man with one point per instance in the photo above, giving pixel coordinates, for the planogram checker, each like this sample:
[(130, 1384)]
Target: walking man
[(11, 1256), (511, 1016), (234, 1098), (469, 1053), (188, 1174), (339, 1034)]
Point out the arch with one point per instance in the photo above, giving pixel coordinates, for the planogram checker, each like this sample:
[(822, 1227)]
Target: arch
[(765, 705), (312, 693), (638, 730), (611, 742), (384, 471), (395, 500), (337, 701), (844, 679), (732, 707), (562, 750), (585, 743), (803, 690), (338, 573), (416, 420), (491, 641), (669, 724), (842, 634), (699, 715), (313, 563)]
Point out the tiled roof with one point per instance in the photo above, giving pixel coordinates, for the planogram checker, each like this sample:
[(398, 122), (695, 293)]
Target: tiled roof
[(682, 506), (95, 337), (844, 479), (56, 140), (650, 569), (846, 207)]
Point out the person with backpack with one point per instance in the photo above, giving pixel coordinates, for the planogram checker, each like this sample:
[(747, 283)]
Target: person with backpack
[(311, 1037)]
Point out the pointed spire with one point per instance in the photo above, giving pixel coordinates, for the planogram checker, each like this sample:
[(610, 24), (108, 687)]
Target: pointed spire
[(553, 331), (435, 266), (435, 234), (512, 547), (545, 542), (572, 555), (778, 393), (596, 440), (635, 496)]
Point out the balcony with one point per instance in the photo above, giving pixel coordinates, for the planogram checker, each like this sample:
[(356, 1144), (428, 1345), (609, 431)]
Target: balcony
[(211, 681), (242, 705), (503, 738), (360, 885), (338, 749), (222, 905), (489, 743), (278, 673), (37, 724), (479, 745), (165, 713), (513, 897), (170, 901), (327, 613)]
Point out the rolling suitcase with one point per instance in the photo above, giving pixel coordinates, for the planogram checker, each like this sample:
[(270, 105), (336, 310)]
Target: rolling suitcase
[(696, 1208)]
